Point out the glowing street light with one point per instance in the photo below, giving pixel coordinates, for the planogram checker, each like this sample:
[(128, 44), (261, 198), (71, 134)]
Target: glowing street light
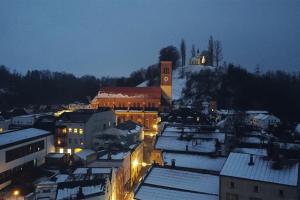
[(135, 163), (16, 192)]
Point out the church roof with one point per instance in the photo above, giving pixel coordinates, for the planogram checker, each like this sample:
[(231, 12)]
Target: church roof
[(129, 92)]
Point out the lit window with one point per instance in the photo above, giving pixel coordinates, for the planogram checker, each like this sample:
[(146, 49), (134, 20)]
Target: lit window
[(58, 142), (75, 130), (70, 130), (64, 130), (69, 151), (1, 130), (76, 150), (61, 150), (81, 131)]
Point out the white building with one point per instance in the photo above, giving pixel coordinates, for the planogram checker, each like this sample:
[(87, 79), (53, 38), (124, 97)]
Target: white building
[(76, 130), (21, 150), (253, 177)]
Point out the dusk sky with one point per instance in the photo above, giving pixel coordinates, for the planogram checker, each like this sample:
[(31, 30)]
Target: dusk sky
[(114, 38)]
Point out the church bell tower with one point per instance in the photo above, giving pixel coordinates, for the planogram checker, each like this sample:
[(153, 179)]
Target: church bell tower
[(166, 80)]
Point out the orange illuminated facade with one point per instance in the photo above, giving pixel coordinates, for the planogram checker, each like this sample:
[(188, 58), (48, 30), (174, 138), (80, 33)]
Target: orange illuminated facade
[(139, 104)]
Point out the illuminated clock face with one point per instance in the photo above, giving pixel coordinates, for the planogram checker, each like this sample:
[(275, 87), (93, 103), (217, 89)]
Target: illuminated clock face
[(166, 79)]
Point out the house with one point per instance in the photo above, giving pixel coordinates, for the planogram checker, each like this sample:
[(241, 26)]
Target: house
[(126, 167), (76, 130), (245, 177), (26, 121), (22, 150), (86, 183), (139, 104), (263, 121), (173, 184)]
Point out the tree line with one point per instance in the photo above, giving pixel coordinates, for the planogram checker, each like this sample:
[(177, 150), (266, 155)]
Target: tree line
[(235, 88)]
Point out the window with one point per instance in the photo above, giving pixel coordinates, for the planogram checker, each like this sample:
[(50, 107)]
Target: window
[(281, 193), (104, 126), (75, 130), (255, 189), (70, 140), (23, 151), (70, 130), (80, 131), (64, 130), (232, 185), (75, 141), (1, 130), (230, 196)]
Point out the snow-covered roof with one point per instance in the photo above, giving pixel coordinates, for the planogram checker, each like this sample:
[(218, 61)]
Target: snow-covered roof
[(253, 112), (61, 178), (174, 144), (208, 135), (117, 156), (261, 117), (237, 165), (67, 193), (194, 161), (183, 180), (84, 153), (254, 151), (143, 84), (55, 155), (129, 92), (253, 140), (105, 170), (154, 193), (21, 135)]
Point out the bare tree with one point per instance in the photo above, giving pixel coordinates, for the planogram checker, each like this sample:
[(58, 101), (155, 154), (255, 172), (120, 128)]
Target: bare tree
[(218, 56)]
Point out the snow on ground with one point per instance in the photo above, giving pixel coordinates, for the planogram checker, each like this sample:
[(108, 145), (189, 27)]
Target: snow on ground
[(143, 84), (180, 82)]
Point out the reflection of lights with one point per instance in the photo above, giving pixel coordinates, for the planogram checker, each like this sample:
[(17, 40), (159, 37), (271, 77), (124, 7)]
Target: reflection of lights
[(16, 192), (135, 163), (155, 126), (151, 134), (144, 164)]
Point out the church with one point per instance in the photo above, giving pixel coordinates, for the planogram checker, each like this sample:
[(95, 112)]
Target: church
[(139, 104)]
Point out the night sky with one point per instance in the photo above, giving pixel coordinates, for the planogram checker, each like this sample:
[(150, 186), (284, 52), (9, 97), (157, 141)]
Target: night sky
[(113, 38)]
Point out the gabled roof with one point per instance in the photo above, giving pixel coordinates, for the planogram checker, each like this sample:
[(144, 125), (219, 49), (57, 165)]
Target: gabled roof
[(129, 92), (80, 116), (237, 165)]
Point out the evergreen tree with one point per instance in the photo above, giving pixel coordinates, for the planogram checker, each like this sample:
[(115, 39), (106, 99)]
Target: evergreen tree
[(183, 52), (210, 49), (218, 56), (193, 51)]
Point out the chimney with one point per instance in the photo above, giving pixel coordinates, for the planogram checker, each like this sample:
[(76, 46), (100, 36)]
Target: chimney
[(251, 162), (173, 163), (186, 148), (109, 155)]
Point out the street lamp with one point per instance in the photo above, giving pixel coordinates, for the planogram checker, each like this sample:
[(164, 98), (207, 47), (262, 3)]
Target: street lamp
[(16, 193)]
